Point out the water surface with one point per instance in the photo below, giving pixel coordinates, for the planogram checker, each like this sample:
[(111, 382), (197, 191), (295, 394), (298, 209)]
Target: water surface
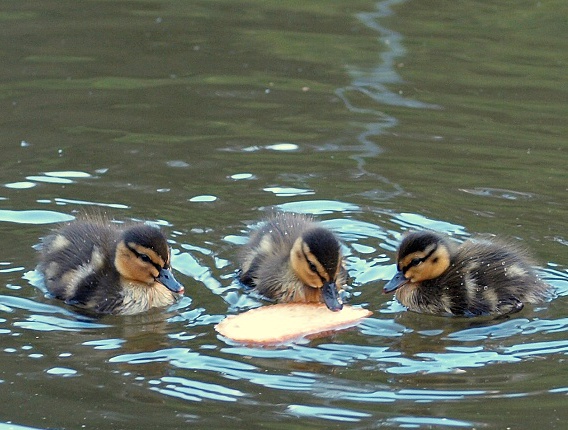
[(202, 117)]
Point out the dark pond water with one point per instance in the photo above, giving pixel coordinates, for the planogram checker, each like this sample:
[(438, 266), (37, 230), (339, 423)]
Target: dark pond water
[(201, 116)]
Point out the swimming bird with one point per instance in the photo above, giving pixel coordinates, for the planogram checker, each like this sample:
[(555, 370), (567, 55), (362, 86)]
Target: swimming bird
[(108, 268), (484, 277), (292, 258)]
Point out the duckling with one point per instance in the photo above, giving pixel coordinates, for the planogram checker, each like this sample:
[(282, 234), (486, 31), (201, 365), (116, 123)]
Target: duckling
[(291, 258), (473, 279), (108, 269)]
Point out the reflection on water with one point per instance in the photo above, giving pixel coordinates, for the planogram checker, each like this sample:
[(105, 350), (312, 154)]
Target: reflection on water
[(219, 113), (333, 414), (33, 216), (393, 342)]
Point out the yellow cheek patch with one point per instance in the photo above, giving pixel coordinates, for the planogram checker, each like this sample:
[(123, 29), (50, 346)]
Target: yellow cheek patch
[(420, 255), (432, 262), (131, 267)]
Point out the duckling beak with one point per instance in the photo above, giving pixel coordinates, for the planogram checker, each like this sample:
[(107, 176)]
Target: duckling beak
[(397, 281), (331, 297), (166, 278)]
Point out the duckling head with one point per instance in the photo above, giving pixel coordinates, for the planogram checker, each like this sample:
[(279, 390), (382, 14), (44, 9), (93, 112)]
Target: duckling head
[(316, 258), (143, 256), (421, 256)]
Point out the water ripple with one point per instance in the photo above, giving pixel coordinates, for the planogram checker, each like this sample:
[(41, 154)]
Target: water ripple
[(189, 265), (33, 216), (538, 348), (10, 302), (318, 207), (419, 222), (413, 395), (51, 323), (289, 191), (443, 363), (510, 328), (498, 193), (195, 391), (61, 201), (333, 414), (183, 358), (105, 344), (415, 422)]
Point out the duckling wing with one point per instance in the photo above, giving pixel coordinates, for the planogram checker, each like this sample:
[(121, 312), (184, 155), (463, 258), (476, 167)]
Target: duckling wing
[(268, 249), (77, 263), (498, 278)]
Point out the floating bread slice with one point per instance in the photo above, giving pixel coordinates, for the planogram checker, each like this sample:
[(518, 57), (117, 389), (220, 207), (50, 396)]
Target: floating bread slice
[(275, 324)]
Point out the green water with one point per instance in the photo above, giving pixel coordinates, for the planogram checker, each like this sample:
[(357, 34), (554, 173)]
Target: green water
[(202, 116)]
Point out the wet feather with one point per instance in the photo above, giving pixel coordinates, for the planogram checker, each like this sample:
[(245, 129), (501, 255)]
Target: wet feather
[(290, 257), (79, 264), (481, 277)]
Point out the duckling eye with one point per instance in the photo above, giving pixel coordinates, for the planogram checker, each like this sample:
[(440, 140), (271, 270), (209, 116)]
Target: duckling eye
[(312, 267), (416, 261), (145, 258)]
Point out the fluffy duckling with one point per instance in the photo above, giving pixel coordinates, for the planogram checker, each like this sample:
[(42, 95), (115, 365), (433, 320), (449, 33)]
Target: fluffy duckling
[(291, 258), (105, 268), (475, 278)]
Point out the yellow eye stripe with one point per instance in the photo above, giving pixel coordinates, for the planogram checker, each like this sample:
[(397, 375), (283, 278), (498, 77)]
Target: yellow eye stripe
[(313, 261), (141, 250)]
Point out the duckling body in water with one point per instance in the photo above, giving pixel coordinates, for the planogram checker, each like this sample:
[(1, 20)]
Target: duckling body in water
[(472, 279), (105, 268), (291, 258)]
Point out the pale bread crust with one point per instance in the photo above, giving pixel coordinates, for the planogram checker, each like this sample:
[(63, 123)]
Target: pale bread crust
[(285, 322)]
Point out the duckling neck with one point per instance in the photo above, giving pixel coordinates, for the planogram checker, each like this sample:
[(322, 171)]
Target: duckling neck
[(408, 295), (426, 297), (139, 297)]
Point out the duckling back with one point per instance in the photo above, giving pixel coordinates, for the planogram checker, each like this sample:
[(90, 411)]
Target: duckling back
[(77, 263), (267, 252), (478, 277), (103, 268), (495, 278)]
